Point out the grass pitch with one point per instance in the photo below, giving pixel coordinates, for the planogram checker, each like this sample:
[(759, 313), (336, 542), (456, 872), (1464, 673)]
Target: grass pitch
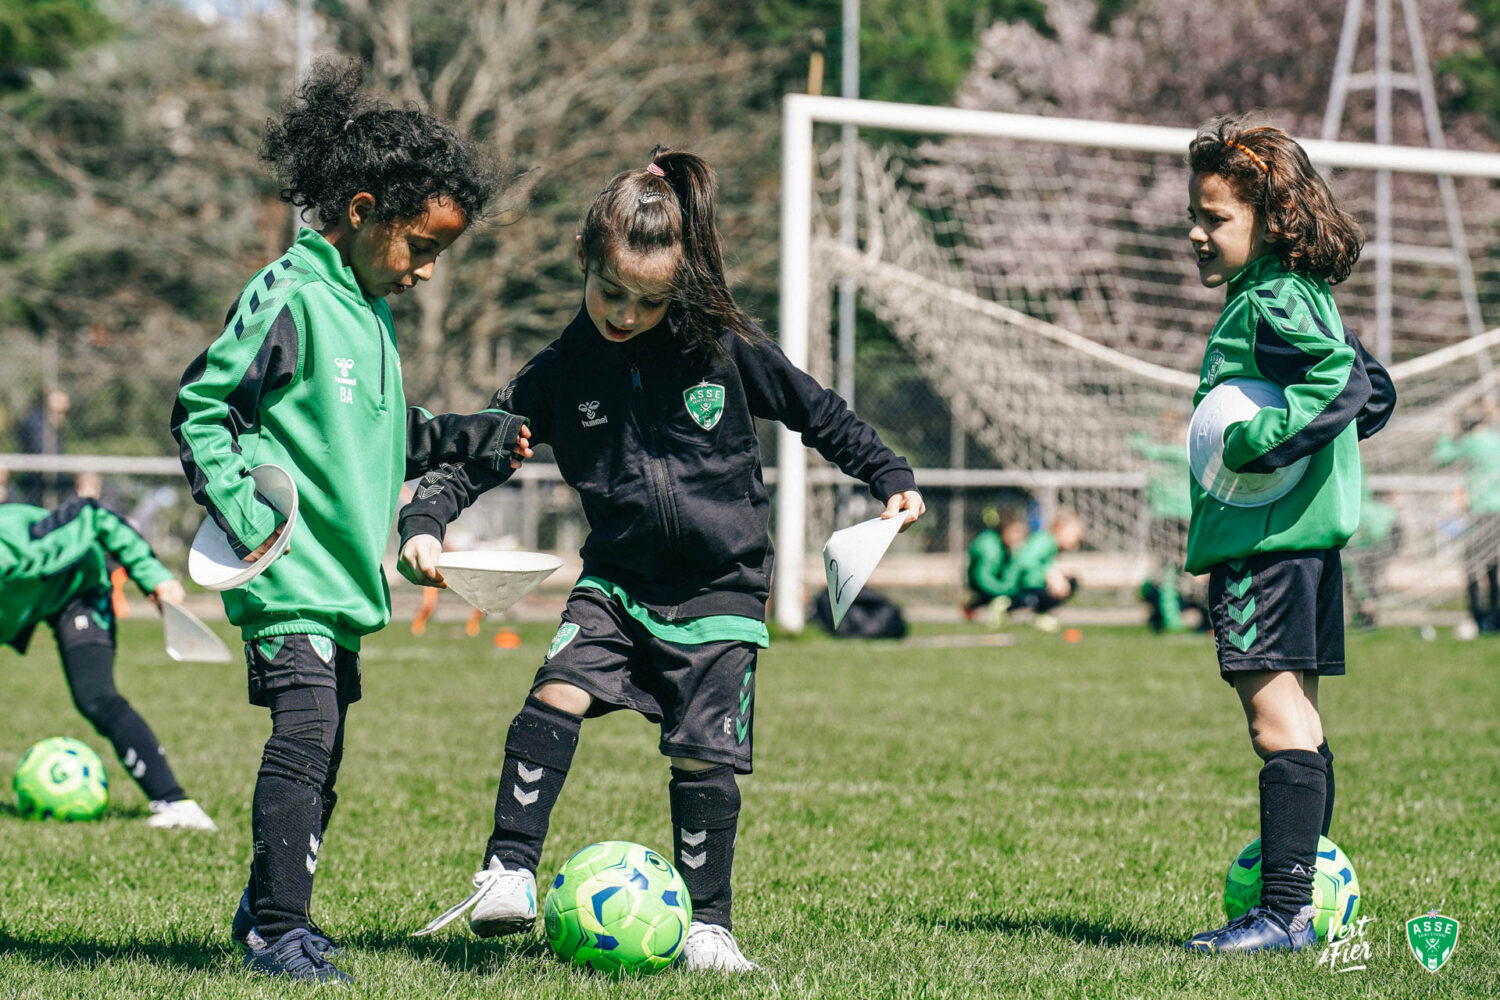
[(1040, 820)]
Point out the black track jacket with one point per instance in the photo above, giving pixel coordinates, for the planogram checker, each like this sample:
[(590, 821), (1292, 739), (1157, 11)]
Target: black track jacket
[(662, 450)]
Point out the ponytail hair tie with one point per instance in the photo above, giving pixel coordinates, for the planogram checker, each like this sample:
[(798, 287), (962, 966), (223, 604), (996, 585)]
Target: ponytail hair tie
[(652, 168), (1250, 153), (347, 123)]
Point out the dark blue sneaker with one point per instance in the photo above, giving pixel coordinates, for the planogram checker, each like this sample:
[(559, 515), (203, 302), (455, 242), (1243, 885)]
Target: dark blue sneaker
[(244, 931), (242, 928), (1258, 930), (295, 956)]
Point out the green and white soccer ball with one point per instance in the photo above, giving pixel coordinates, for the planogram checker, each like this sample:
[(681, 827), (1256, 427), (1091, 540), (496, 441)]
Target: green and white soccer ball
[(60, 778), (1335, 888), (618, 907)]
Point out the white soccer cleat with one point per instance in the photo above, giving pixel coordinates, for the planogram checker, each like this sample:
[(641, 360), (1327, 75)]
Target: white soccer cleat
[(184, 814), (711, 948), (504, 902)]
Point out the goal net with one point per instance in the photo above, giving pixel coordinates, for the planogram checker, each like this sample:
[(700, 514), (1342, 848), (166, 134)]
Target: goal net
[(1036, 272)]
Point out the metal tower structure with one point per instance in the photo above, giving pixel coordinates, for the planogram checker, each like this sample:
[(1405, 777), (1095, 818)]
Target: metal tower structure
[(1384, 81)]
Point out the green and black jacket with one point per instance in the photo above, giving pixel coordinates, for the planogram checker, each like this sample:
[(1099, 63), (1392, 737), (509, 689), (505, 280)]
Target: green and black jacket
[(1283, 327), (305, 376), (662, 449), (49, 557)]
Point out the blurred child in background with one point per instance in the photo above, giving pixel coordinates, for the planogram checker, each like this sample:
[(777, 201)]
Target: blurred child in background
[(1034, 579), (989, 557), (1477, 450), (54, 569)]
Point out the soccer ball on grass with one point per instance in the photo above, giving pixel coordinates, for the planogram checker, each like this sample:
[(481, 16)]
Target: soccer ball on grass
[(1335, 888), (618, 907), (60, 778)]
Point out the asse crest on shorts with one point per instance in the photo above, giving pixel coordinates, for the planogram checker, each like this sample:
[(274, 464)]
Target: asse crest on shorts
[(705, 404), (565, 633)]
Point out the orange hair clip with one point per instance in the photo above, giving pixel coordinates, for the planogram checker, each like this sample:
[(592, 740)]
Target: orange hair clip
[(1250, 153)]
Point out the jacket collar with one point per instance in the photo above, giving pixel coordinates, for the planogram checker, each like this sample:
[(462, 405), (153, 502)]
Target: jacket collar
[(316, 252), (1261, 269)]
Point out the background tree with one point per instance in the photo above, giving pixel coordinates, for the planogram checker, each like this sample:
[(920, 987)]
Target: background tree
[(40, 34)]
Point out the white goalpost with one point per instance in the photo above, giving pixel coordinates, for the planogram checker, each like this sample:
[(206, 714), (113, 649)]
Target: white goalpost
[(1036, 270)]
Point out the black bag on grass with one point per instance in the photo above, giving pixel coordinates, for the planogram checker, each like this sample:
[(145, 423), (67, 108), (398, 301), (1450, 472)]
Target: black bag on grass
[(871, 616)]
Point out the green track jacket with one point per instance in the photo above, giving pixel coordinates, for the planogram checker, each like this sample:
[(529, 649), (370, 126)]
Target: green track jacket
[(47, 557), (1283, 327), (987, 561), (305, 376)]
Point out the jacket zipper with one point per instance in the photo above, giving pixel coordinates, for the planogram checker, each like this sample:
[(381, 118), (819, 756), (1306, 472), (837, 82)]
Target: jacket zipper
[(655, 466)]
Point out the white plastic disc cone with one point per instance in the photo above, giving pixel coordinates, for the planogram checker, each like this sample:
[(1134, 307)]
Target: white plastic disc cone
[(188, 639), (212, 562), (851, 556), (493, 581), (1229, 403)]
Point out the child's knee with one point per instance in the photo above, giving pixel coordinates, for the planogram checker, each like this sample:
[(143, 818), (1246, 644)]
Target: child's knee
[(562, 695), (692, 763)]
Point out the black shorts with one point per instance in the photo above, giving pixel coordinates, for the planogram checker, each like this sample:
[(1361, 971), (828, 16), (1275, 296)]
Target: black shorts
[(278, 662), (86, 620), (1279, 611), (702, 694)]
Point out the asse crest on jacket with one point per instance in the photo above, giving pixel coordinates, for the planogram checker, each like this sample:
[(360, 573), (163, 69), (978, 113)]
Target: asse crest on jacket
[(705, 404)]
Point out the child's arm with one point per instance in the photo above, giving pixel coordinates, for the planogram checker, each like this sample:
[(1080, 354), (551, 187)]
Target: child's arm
[(779, 390), (221, 392), (448, 489), (489, 437), (70, 533), (1325, 386), (1382, 401)]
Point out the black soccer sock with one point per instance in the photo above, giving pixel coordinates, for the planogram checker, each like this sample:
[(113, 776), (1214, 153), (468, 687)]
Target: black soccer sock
[(538, 753), (705, 819), (1327, 756), (1474, 606), (335, 758), (1492, 577), (90, 671), (287, 813), (1293, 784)]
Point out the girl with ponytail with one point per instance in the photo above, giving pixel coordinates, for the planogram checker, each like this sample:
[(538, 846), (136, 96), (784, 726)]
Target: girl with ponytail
[(649, 400)]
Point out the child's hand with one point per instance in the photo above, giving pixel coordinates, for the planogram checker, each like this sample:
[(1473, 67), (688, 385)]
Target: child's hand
[(909, 501), (522, 451), (168, 590), (265, 546), (419, 561)]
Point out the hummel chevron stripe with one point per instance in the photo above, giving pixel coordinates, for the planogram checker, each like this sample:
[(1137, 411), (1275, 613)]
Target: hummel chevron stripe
[(1242, 641)]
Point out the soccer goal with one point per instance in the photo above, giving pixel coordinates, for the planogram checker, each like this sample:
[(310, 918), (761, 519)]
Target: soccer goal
[(1036, 273)]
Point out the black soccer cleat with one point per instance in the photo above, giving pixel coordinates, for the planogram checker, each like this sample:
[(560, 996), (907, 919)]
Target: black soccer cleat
[(1258, 930)]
